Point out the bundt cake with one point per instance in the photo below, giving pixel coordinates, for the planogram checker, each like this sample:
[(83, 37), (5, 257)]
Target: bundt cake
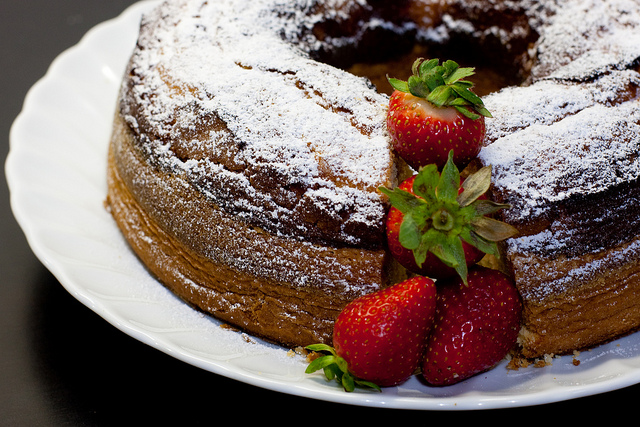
[(246, 157)]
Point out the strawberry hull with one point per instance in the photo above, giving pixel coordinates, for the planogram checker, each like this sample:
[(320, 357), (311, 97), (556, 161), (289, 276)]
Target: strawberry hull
[(435, 111), (432, 267)]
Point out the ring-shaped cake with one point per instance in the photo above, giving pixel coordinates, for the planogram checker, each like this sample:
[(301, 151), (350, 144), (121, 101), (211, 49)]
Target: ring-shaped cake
[(246, 155)]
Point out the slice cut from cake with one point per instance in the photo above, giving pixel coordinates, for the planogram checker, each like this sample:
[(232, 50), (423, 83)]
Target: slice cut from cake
[(565, 157)]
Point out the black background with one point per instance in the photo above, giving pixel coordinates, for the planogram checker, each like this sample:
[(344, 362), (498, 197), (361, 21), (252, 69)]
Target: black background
[(61, 364)]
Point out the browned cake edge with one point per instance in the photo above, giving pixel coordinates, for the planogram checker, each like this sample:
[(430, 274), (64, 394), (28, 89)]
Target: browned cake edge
[(592, 310), (268, 307)]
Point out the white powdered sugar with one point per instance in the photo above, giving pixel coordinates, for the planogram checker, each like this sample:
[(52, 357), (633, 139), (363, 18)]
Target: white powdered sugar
[(584, 153), (573, 133), (311, 125), (553, 139), (297, 121), (589, 37)]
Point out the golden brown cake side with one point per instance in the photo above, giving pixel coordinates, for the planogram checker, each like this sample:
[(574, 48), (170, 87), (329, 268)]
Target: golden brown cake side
[(244, 174), (574, 303), (277, 288)]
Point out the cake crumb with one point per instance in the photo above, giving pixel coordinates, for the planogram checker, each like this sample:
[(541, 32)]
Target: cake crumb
[(575, 360), (312, 355), (229, 327), (248, 339), (298, 351), (517, 361)]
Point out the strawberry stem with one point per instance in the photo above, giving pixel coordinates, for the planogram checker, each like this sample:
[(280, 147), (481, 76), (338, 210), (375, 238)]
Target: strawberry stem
[(442, 220)]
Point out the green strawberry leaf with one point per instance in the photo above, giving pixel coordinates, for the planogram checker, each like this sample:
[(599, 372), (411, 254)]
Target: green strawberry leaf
[(451, 68), (398, 84), (465, 93), (366, 384), (448, 248), (320, 363), (482, 110), (443, 86), (482, 244), (424, 68), (451, 252), (409, 233), (321, 347), (459, 74), (335, 367), (439, 217), (467, 112), (427, 241), (449, 185), (402, 200), (417, 87), (426, 182), (439, 95), (433, 81), (348, 382)]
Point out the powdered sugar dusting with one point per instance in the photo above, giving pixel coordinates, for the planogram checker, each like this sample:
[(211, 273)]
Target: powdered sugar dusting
[(548, 101), (588, 38), (571, 135), (299, 122), (311, 126), (584, 153), (317, 134)]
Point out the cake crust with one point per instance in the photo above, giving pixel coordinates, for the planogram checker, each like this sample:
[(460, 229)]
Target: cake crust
[(277, 288), (574, 303)]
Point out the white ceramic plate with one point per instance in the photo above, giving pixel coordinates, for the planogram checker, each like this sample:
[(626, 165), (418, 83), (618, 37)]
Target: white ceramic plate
[(56, 174)]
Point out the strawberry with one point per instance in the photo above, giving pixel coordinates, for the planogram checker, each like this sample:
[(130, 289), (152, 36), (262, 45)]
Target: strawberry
[(432, 266), (437, 224), (378, 338), (434, 112), (476, 325)]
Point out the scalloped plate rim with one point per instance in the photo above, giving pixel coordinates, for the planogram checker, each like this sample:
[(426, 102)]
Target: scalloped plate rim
[(412, 395)]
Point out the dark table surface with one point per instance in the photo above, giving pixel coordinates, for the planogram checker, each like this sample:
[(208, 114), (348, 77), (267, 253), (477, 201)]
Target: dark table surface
[(61, 364)]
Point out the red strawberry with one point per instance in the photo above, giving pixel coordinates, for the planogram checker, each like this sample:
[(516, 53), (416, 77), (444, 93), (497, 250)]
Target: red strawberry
[(475, 326), (432, 266), (435, 112), (378, 339), (437, 224)]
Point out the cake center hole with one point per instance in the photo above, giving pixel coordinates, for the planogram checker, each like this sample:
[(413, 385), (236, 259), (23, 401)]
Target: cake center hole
[(487, 79)]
